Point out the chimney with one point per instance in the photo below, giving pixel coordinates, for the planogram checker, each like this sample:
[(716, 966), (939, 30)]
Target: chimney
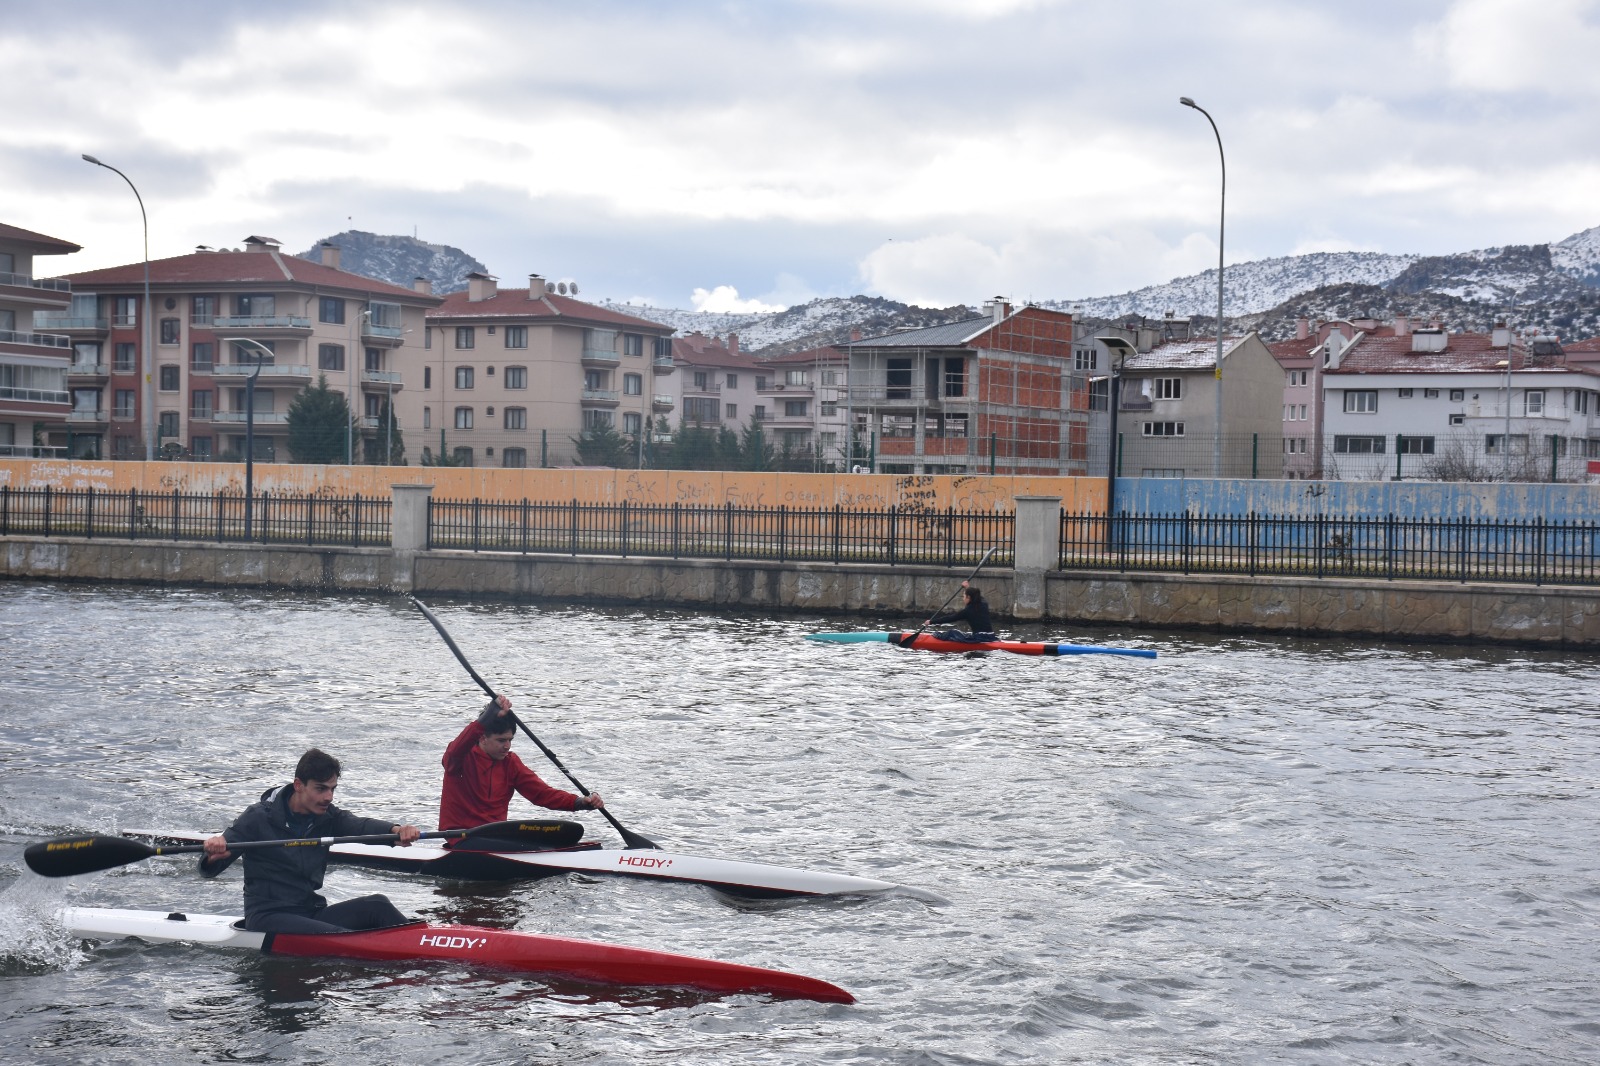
[(1302, 329), (480, 287), (1432, 339), (536, 289), (855, 334), (733, 342), (330, 255), (998, 308), (260, 244), (1402, 325), (422, 285), (1501, 337)]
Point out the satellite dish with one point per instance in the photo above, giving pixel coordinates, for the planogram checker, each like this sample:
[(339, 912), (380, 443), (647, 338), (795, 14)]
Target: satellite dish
[(561, 287), (574, 288), (549, 286)]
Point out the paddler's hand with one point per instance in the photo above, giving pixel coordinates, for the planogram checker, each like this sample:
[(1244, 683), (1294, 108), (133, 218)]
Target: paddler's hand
[(406, 833), (496, 712), (216, 848), (594, 801)]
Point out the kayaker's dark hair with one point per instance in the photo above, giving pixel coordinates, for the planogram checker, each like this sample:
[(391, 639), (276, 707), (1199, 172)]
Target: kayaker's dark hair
[(974, 592), (316, 765)]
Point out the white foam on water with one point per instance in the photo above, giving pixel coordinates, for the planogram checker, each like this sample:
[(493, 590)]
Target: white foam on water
[(32, 938)]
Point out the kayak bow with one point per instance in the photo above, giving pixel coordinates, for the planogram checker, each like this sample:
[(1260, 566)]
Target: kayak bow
[(929, 642), (583, 960)]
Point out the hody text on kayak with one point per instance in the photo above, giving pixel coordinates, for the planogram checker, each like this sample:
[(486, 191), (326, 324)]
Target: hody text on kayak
[(645, 861), (463, 943)]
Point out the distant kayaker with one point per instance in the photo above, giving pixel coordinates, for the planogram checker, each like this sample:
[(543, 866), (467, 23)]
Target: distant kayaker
[(974, 611), (481, 772), (281, 884)]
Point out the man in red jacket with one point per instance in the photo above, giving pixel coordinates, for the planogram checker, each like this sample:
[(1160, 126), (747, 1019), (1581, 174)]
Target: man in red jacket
[(481, 772)]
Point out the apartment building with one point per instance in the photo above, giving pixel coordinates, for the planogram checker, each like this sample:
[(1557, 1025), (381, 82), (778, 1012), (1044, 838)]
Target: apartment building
[(720, 383), (805, 394), (513, 377), (218, 319), (1167, 408), (992, 394), (1424, 403), (35, 404)]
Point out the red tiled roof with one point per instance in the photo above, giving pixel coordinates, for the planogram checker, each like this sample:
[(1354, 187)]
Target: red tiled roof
[(272, 269), (38, 241), (1295, 348), (1463, 353), (514, 303), (697, 349)]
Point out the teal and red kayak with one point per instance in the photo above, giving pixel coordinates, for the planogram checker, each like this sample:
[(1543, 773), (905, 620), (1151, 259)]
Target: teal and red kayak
[(930, 642)]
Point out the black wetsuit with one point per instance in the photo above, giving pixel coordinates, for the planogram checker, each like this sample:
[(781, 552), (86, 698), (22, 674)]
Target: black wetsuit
[(975, 614)]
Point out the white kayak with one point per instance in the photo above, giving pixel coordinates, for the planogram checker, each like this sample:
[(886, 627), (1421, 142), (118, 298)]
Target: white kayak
[(748, 879)]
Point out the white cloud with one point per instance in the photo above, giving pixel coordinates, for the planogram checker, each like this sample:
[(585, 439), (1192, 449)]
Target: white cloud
[(725, 298), (1546, 46)]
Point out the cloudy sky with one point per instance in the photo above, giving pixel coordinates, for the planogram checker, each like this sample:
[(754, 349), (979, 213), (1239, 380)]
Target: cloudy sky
[(730, 155)]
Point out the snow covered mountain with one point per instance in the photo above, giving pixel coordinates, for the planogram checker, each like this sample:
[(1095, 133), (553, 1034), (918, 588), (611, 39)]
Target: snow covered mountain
[(399, 260)]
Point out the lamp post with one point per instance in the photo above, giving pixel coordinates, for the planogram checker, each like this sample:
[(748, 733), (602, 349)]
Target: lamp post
[(1222, 220), (250, 431), (146, 393)]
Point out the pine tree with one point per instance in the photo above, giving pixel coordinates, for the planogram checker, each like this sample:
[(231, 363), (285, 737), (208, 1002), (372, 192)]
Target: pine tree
[(320, 425)]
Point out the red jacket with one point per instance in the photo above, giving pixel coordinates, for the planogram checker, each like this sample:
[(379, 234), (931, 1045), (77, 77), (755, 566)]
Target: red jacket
[(477, 790)]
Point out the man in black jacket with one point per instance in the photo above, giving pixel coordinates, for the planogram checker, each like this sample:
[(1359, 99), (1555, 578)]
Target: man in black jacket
[(280, 884), (974, 611)]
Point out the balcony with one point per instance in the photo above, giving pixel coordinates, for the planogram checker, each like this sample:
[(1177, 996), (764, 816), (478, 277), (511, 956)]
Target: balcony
[(662, 402), (710, 388), (27, 281), (263, 325), (31, 451), (278, 373), (262, 418), (57, 344), (202, 414), (663, 364), (381, 336), (387, 380), (34, 395), (601, 357), (600, 397), (789, 388), (91, 418), (88, 372)]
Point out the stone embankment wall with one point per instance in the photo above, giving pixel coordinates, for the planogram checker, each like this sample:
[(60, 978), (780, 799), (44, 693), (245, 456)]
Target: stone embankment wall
[(901, 595)]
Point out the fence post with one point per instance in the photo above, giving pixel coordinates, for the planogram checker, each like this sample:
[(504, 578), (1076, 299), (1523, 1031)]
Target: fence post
[(1254, 530), (88, 514), (47, 499), (677, 513), (1538, 556), (727, 530), (410, 530), (783, 532), (1255, 455), (1184, 553), (1037, 536), (355, 522), (894, 530), (624, 529), (838, 522), (526, 520), (1388, 543), (950, 536), (5, 510), (177, 505), (572, 527)]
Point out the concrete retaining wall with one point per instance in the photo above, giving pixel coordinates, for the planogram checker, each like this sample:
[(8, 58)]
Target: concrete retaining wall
[(1412, 610)]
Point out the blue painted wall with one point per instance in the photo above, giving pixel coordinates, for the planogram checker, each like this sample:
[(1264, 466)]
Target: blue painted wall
[(1359, 499)]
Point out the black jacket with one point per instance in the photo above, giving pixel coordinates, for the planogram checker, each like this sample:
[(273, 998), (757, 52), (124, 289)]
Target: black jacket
[(975, 614), (286, 880)]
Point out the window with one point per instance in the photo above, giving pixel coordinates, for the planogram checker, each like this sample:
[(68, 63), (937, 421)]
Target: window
[(373, 405), (374, 359), (169, 377), (202, 357), (794, 377), (632, 384), (761, 383), (517, 337), (516, 377), (663, 347), (1169, 388), (700, 409), (1100, 394), (794, 408), (1457, 395), (1163, 429), (463, 418), (632, 344), (955, 377), (1495, 444), (123, 359), (732, 411), (330, 357), (200, 405), (631, 423), (1299, 377), (1346, 445), (828, 409), (255, 305), (427, 377), (247, 354), (514, 457), (1458, 420), (462, 456), (170, 331), (760, 413), (168, 424), (1361, 401), (593, 419), (202, 311), (1405, 445), (700, 380), (830, 377), (330, 309), (124, 407), (465, 337), (1405, 394), (463, 377), (200, 448), (733, 381), (1430, 394), (594, 380), (124, 310), (516, 417), (427, 418), (1533, 403), (1084, 359), (897, 379)]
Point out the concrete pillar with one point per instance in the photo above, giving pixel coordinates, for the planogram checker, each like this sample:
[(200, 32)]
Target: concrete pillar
[(1038, 549), (408, 530)]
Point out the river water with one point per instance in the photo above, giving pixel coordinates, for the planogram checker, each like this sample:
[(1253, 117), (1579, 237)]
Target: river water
[(1245, 850)]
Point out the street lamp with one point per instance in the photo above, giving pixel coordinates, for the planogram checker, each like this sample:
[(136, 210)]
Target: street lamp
[(1222, 219), (147, 396), (250, 430)]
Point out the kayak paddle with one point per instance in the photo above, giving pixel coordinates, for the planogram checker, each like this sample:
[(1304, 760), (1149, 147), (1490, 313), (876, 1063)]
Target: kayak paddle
[(70, 856), (956, 593), (630, 838)]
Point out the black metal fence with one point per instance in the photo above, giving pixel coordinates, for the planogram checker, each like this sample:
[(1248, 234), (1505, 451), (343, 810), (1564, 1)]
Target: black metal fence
[(1457, 549), (355, 521), (823, 534)]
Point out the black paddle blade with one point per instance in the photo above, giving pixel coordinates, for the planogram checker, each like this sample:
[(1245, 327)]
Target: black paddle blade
[(70, 856), (525, 834)]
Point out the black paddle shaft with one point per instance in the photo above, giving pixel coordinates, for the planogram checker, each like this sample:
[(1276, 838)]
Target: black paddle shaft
[(953, 595), (630, 838)]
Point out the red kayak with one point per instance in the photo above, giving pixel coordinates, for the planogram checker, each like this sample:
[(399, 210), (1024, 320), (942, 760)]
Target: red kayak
[(585, 960), (921, 641)]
